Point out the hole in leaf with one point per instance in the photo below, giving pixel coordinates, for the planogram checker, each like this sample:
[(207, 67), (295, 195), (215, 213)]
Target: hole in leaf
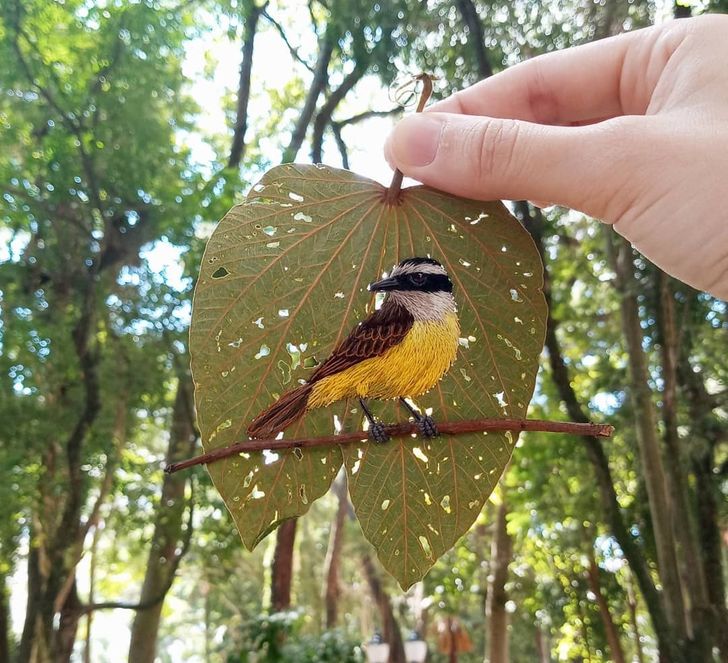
[(425, 545), (385, 505), (445, 504), (270, 456), (263, 352), (418, 453), (220, 273)]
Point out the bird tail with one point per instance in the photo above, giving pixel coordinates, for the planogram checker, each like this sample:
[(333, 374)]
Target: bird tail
[(286, 410)]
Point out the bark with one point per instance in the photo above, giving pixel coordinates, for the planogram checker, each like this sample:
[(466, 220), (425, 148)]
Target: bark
[(4, 620), (533, 221), (610, 627), (237, 150), (323, 117), (318, 84), (165, 549), (661, 510), (694, 584), (282, 568), (632, 605), (496, 615), (390, 627), (332, 588), (542, 644), (87, 658), (341, 144), (65, 636), (476, 37)]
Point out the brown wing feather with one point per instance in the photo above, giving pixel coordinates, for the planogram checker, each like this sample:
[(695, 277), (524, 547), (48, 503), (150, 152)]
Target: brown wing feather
[(370, 338)]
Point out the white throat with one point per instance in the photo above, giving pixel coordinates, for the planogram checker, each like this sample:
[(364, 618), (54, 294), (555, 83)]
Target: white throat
[(425, 306)]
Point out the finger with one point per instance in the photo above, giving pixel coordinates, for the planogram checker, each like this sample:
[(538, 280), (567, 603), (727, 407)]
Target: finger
[(603, 79), (587, 168)]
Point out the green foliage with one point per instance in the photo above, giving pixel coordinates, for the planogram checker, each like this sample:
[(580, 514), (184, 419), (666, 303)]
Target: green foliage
[(276, 638)]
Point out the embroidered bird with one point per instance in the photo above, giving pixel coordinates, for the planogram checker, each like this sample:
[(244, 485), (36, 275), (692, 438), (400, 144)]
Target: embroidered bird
[(401, 350)]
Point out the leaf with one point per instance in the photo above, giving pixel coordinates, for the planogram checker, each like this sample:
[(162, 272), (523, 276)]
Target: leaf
[(284, 279)]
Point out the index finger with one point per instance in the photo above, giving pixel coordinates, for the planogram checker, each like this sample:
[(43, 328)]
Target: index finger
[(596, 81)]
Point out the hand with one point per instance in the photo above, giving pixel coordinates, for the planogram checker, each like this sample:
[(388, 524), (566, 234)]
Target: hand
[(632, 129)]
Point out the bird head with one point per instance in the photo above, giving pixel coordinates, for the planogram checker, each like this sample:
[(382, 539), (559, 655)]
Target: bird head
[(421, 285)]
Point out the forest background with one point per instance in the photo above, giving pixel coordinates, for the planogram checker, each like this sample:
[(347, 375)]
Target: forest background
[(127, 129)]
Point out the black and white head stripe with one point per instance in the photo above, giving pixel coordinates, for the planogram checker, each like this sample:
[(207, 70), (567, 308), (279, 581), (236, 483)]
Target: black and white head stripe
[(423, 274), (421, 265)]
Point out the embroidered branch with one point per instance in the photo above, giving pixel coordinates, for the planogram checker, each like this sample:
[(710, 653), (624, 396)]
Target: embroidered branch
[(398, 430)]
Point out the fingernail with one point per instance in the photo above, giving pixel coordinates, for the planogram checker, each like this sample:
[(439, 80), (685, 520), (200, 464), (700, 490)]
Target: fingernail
[(414, 140)]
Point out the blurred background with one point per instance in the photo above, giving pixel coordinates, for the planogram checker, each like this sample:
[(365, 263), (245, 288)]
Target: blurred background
[(127, 129)]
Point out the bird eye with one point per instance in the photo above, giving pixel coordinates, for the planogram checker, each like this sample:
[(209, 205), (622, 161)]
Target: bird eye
[(417, 278)]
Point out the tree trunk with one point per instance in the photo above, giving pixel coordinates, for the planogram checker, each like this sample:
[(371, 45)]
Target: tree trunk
[(661, 510), (699, 614), (632, 605), (237, 150), (323, 117), (542, 645), (4, 620), (318, 84), (87, 658), (282, 568), (332, 587), (390, 626), (164, 553), (533, 221), (708, 432), (496, 615), (476, 37), (609, 626), (65, 636)]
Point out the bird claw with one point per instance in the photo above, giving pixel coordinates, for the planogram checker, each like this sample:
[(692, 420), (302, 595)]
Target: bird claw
[(378, 433), (428, 427)]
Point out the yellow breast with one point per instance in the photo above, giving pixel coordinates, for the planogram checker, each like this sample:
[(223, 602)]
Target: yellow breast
[(410, 368)]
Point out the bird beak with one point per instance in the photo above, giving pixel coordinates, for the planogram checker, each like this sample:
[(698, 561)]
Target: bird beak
[(392, 283)]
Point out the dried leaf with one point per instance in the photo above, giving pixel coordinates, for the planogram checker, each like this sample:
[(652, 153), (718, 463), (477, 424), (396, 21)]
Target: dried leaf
[(284, 279)]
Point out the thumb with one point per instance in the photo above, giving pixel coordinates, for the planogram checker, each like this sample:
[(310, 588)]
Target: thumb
[(590, 168)]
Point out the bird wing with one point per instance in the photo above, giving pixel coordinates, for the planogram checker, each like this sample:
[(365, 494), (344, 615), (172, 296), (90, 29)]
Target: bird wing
[(382, 330)]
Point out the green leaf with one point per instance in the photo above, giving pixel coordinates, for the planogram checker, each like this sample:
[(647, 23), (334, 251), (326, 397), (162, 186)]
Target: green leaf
[(284, 279)]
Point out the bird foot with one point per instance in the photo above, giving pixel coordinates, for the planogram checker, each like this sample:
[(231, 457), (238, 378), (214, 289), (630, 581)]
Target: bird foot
[(428, 427), (378, 433)]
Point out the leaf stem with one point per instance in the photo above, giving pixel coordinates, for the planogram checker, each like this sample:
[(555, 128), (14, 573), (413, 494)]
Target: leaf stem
[(392, 194), (398, 430)]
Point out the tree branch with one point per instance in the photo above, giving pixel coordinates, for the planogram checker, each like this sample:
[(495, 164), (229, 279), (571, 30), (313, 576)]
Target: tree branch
[(360, 117), (246, 67), (149, 603), (323, 117), (318, 84), (398, 430), (475, 29), (341, 144), (291, 48)]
